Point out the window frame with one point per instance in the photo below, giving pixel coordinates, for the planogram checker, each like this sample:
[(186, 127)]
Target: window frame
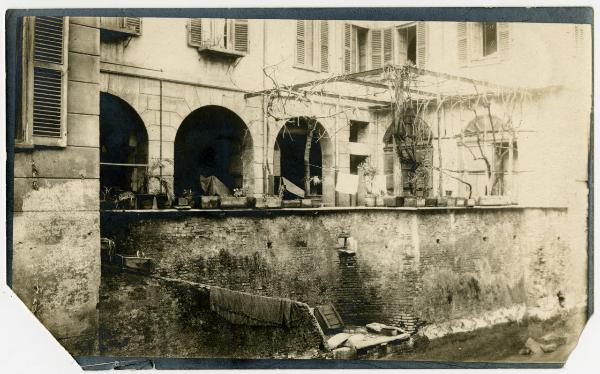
[(209, 34), (28, 65), (316, 44)]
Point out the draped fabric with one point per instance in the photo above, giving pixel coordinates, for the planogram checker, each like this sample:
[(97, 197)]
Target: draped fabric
[(242, 308), (213, 186), (292, 188), (347, 183)]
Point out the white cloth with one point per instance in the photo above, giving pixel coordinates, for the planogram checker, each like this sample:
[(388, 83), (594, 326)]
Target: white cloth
[(292, 188), (347, 183), (379, 184)]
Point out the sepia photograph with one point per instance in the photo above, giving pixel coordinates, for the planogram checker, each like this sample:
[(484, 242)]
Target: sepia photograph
[(219, 187)]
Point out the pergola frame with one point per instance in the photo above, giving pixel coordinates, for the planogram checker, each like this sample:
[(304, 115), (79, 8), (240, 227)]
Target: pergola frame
[(386, 89)]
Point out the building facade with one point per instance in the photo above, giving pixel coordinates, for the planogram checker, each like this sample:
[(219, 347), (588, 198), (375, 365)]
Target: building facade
[(107, 101)]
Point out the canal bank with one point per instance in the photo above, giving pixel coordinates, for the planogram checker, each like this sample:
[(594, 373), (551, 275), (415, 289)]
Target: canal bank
[(429, 265)]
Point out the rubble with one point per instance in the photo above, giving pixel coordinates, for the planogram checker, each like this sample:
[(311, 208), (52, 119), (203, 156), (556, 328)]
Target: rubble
[(533, 346)]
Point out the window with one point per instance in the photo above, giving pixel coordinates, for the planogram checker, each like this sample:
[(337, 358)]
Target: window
[(312, 45), (490, 38), (43, 82), (408, 44), (228, 36), (482, 41), (366, 49), (115, 27), (358, 131), (412, 45), (355, 161)]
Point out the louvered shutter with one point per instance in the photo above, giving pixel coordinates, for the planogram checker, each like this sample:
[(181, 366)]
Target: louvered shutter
[(347, 48), (133, 24), (195, 32), (462, 45), (422, 43), (402, 46), (388, 55), (376, 50), (324, 45), (300, 42), (48, 114), (504, 39), (240, 35)]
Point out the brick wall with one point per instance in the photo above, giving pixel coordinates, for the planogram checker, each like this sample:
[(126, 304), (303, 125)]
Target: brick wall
[(434, 264)]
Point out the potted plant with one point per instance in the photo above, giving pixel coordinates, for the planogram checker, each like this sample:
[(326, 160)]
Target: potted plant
[(237, 201), (158, 191), (186, 199), (368, 171), (210, 201), (270, 201), (106, 198), (125, 200)]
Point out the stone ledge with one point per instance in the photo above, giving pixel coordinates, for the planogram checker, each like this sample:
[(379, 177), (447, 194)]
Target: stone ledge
[(172, 213)]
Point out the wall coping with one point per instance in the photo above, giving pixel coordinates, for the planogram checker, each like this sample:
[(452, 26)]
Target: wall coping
[(172, 213)]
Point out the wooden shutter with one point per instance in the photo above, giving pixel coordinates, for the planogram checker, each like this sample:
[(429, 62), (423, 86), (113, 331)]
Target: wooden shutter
[(195, 32), (388, 55), (376, 49), (462, 45), (347, 48), (240, 35), (324, 32), (402, 46), (49, 83), (422, 43), (300, 42), (504, 39), (476, 40), (133, 24)]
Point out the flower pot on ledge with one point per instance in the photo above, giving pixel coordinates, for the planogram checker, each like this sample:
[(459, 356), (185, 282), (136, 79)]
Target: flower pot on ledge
[(379, 201), (209, 202), (295, 203), (370, 200), (268, 202), (234, 202), (393, 201), (493, 200)]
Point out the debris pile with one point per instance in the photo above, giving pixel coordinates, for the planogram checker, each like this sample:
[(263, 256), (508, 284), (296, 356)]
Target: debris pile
[(546, 344), (373, 340)]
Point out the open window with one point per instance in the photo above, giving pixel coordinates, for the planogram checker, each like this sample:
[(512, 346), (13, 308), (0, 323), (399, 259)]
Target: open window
[(43, 73), (219, 36), (312, 45), (482, 41), (412, 44), (115, 28)]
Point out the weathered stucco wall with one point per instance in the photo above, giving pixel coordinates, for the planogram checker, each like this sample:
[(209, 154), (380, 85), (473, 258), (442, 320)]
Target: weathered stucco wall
[(56, 224), (436, 264)]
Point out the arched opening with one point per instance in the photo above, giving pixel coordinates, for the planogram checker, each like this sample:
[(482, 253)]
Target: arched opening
[(292, 156), (491, 172), (213, 141), (123, 146)]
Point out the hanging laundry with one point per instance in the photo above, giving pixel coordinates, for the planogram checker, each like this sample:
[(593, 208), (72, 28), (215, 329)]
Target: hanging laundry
[(242, 308), (379, 184), (347, 183), (292, 188)]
